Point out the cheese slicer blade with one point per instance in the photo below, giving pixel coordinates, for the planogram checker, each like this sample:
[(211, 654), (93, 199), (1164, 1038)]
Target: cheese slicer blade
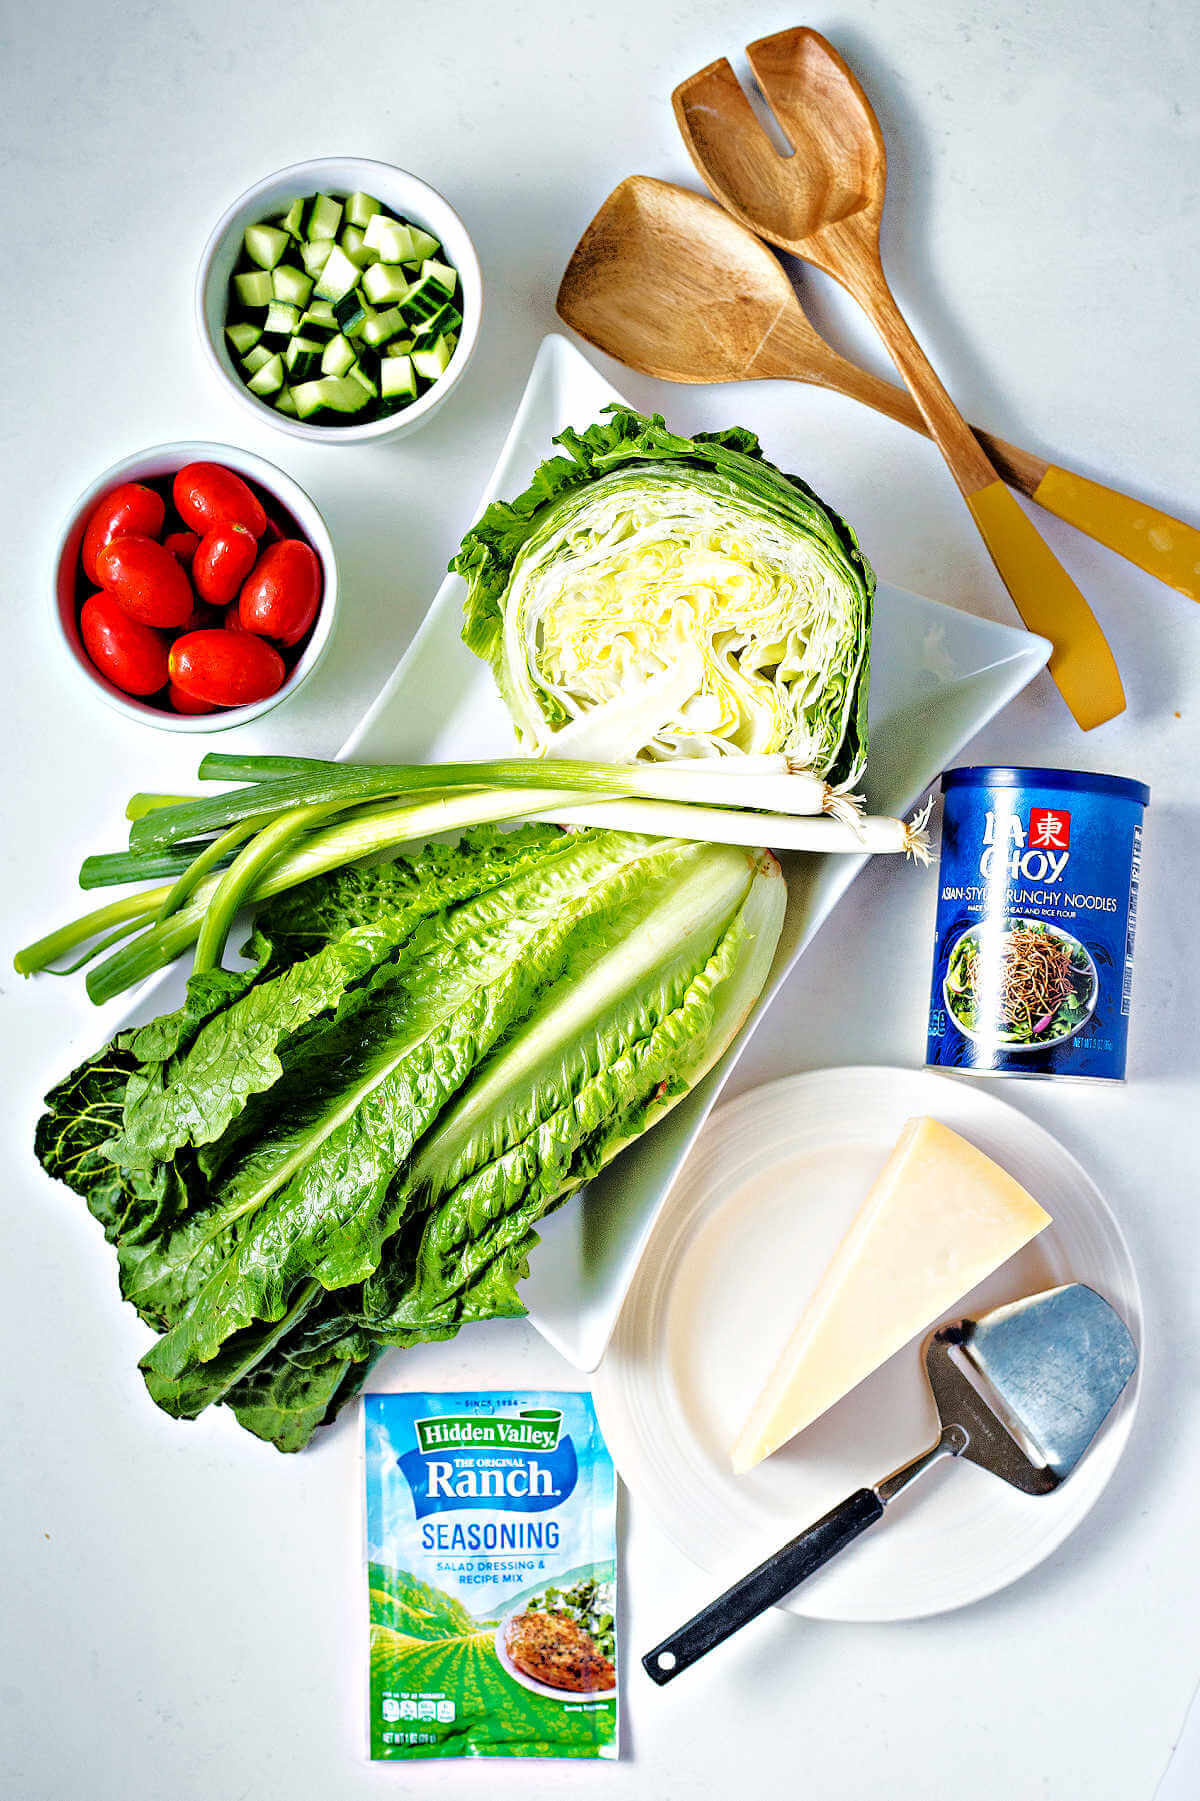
[(1049, 1367), (1021, 1391)]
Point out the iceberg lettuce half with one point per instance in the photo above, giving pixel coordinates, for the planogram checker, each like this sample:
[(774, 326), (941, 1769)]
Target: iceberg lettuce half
[(656, 596)]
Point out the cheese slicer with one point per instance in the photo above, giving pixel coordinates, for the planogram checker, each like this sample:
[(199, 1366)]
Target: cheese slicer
[(1021, 1391)]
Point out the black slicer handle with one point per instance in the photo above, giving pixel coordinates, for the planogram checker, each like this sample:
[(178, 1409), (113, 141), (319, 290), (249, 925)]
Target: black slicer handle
[(802, 1556)]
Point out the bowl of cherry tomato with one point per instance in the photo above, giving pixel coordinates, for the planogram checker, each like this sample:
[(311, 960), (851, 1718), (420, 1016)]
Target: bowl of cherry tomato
[(195, 587)]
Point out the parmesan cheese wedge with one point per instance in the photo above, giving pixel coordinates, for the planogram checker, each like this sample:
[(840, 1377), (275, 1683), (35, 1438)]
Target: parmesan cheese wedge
[(940, 1217)]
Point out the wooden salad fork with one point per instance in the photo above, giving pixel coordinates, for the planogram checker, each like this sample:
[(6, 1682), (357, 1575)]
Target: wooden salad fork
[(668, 283), (824, 203)]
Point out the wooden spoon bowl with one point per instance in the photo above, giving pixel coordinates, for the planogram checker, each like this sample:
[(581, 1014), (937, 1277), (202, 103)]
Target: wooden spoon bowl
[(666, 281)]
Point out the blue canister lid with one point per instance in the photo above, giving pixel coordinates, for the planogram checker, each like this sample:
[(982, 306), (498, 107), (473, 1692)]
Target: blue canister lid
[(1077, 781)]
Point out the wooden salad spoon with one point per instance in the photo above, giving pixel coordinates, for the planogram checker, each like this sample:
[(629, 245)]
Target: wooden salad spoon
[(824, 204), (668, 283)]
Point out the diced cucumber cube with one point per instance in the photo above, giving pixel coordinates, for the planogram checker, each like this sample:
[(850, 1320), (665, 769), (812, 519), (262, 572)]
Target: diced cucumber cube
[(447, 318), (392, 240), (268, 379), (291, 284), (319, 320), (365, 381), (315, 255), (385, 283), (337, 356), (397, 378), (293, 220), (360, 209), (284, 403), (350, 311), (254, 359), (282, 319), (351, 242), (254, 289), (336, 393), (302, 357), (380, 327), (424, 244), (338, 276), (265, 244), (324, 218), (426, 297), (441, 273), (433, 362), (243, 337)]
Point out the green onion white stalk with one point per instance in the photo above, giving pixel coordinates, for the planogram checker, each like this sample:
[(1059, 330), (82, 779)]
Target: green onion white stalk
[(865, 836)]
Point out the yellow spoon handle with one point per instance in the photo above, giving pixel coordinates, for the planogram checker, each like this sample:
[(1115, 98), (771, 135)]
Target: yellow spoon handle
[(1081, 663), (1162, 546)]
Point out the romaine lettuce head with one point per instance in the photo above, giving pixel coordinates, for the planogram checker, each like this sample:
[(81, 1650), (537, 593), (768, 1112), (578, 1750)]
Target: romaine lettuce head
[(350, 1144), (657, 596)]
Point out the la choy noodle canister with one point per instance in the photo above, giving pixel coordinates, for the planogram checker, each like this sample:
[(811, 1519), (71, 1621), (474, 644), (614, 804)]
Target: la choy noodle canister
[(1037, 904)]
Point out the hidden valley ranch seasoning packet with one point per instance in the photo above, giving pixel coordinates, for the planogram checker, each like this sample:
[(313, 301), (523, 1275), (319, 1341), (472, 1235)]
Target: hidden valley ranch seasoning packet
[(491, 1572)]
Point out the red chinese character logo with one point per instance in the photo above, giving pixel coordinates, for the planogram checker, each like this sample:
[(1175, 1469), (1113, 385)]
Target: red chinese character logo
[(1049, 829)]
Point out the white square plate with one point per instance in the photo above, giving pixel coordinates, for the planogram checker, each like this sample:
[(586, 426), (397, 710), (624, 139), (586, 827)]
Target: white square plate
[(937, 677)]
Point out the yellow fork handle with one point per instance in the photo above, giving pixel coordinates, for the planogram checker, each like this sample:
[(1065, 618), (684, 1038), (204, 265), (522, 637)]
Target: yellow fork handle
[(1162, 546), (1081, 664)]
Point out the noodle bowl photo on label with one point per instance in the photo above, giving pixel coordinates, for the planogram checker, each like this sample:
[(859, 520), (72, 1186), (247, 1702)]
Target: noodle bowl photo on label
[(1024, 984)]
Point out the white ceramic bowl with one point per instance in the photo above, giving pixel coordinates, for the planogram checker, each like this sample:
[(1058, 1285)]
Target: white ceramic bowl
[(165, 459), (401, 193)]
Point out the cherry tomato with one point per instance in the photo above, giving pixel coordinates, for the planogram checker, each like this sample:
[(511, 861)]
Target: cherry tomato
[(182, 545), (233, 622), (281, 597), (208, 494), (146, 579), (225, 558), (184, 703), (129, 508), (227, 668), (132, 656)]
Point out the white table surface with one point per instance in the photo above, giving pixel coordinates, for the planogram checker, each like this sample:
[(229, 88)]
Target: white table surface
[(180, 1602)]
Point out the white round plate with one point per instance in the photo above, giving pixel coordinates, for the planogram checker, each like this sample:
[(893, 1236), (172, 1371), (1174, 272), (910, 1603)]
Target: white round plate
[(758, 1209)]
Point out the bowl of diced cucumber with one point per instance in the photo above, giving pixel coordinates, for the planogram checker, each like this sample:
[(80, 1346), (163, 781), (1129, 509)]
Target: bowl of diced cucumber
[(341, 299)]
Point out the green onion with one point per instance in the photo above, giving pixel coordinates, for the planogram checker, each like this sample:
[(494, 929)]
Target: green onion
[(112, 869), (56, 944), (239, 879), (94, 950), (141, 804), (302, 817), (226, 766), (346, 841), (798, 793), (724, 825), (214, 856)]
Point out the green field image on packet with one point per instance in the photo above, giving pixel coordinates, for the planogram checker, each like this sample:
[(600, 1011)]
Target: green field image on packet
[(492, 1577)]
